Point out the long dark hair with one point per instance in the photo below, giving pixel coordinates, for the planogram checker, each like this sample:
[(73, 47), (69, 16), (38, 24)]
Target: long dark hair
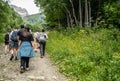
[(26, 31)]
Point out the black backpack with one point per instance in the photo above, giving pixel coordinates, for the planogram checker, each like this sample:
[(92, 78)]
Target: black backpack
[(7, 37)]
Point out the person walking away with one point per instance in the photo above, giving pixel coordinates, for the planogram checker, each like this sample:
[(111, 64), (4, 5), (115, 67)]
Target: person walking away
[(6, 41), (14, 44), (42, 41), (20, 31), (36, 41), (25, 51), (19, 34)]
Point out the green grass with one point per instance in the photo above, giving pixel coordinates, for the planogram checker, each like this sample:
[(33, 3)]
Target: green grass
[(85, 55), (1, 38)]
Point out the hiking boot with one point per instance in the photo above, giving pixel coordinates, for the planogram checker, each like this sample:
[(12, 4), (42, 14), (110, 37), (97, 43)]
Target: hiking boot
[(11, 57)]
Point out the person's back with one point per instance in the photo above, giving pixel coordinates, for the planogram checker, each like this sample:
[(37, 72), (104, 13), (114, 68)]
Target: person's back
[(14, 44), (20, 31), (6, 41), (36, 38), (25, 49), (42, 41), (43, 36), (14, 36)]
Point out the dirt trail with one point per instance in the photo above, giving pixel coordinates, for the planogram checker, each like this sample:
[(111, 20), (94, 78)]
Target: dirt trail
[(41, 69)]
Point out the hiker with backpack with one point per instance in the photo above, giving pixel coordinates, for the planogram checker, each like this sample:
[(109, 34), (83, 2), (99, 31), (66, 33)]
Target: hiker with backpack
[(36, 42), (25, 51), (6, 41), (42, 42), (20, 31), (14, 44)]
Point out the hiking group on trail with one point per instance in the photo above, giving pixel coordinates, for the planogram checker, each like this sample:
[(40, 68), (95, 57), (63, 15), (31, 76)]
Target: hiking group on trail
[(22, 44)]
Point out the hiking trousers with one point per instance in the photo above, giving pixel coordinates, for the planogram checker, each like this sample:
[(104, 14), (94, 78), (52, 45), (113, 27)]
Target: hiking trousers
[(42, 48), (25, 62)]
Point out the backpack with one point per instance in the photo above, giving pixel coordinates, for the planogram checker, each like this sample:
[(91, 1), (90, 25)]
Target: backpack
[(14, 36), (7, 37), (42, 37), (20, 32)]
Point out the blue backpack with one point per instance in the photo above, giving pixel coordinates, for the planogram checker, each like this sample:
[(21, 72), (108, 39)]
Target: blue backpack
[(14, 36)]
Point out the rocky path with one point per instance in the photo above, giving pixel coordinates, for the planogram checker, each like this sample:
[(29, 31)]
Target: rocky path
[(41, 69)]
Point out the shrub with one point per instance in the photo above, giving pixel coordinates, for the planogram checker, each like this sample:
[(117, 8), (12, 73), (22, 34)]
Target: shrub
[(85, 55), (1, 38)]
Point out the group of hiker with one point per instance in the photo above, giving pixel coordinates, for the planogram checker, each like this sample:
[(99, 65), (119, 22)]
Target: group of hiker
[(22, 43)]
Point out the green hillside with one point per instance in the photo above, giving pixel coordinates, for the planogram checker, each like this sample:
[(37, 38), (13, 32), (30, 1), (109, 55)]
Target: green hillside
[(35, 19)]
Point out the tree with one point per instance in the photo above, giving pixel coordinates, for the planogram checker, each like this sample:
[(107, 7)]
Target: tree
[(80, 13), (86, 13), (8, 17), (71, 13)]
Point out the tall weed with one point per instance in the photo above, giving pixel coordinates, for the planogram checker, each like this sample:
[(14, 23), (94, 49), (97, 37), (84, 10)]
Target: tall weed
[(85, 55)]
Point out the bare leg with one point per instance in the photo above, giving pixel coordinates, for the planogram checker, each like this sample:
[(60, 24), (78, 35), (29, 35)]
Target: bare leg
[(5, 49)]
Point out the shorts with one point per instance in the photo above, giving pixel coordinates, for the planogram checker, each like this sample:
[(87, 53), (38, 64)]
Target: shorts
[(13, 44)]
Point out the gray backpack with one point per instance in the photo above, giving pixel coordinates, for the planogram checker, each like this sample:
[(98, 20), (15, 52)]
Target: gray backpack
[(42, 37)]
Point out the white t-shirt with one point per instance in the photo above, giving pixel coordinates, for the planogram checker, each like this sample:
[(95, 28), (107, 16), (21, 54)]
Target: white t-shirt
[(43, 36)]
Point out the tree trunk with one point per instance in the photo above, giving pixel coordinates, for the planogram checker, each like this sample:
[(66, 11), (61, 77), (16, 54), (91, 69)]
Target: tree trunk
[(108, 15), (80, 13), (69, 14), (68, 21), (59, 20), (97, 17), (73, 12), (89, 13), (59, 25), (86, 13)]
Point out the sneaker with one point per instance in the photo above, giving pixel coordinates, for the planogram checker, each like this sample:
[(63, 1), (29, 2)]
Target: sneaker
[(11, 57), (41, 56), (22, 69), (27, 69)]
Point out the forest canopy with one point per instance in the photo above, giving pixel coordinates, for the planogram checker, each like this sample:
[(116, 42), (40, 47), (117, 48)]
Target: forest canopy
[(81, 13)]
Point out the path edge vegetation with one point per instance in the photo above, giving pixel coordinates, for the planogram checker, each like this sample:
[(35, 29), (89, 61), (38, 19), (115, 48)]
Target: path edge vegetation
[(86, 54)]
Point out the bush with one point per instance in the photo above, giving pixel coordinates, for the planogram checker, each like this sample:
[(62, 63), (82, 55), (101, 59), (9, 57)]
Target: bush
[(1, 38), (85, 55)]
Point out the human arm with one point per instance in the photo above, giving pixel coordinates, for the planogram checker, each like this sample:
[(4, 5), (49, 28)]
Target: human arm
[(32, 40), (46, 36)]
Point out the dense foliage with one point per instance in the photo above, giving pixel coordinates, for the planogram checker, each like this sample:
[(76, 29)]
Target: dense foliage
[(80, 13), (36, 22), (38, 18), (86, 55), (8, 17), (1, 38)]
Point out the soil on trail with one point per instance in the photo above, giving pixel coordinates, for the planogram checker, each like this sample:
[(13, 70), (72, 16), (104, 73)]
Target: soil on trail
[(41, 69)]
